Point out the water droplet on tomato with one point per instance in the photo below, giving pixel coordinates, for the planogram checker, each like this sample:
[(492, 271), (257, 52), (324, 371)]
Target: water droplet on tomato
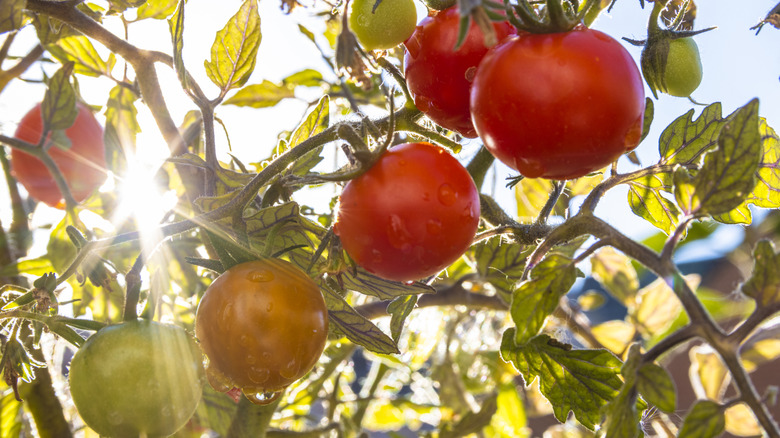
[(530, 168), (290, 371), (226, 313), (433, 226), (258, 375), (166, 411), (269, 307), (261, 397), (397, 233), (217, 380), (376, 256), (251, 360), (409, 282), (470, 73), (423, 103), (243, 340), (447, 195), (266, 355), (426, 196), (260, 276), (114, 417)]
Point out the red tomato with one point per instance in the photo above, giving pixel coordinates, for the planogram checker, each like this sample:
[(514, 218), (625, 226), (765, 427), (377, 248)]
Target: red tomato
[(559, 105), (409, 216), (439, 77), (83, 164)]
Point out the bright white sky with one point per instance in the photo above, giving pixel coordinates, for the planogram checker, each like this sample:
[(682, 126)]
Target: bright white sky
[(737, 67)]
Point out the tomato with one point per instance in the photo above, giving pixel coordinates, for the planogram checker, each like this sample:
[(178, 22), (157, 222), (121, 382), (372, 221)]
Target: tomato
[(139, 378), (682, 73), (412, 214), (559, 105), (439, 77), (82, 164), (263, 325), (384, 26)]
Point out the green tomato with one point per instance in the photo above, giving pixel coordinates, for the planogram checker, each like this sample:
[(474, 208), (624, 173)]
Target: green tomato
[(683, 72), (382, 26), (139, 378)]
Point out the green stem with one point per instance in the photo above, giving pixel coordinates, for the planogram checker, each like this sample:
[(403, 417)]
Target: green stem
[(252, 420), (21, 236), (479, 166)]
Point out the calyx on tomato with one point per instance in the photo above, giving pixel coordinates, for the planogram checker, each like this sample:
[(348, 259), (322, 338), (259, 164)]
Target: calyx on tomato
[(439, 77), (412, 214), (559, 105), (139, 378), (82, 162), (262, 325)]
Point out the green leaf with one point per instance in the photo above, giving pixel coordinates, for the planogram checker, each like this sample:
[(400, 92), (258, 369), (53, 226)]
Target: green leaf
[(366, 283), (37, 267), (176, 28), (657, 387), (216, 410), (59, 103), (234, 52), (709, 375), (355, 326), (315, 122), (686, 140), (615, 271), (580, 381), (11, 416), (685, 190), (657, 308), (510, 420), (646, 198), (12, 13), (121, 128), (538, 297), (501, 264), (764, 284), (304, 78), (621, 419), (473, 422), (82, 53), (647, 119), (156, 9), (228, 181), (122, 5), (399, 309), (704, 420), (263, 95), (727, 176)]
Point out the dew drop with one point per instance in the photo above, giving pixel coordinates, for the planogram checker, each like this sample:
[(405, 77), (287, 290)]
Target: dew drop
[(447, 195), (261, 397), (166, 411), (290, 371), (426, 196), (470, 73), (115, 418), (217, 380), (258, 375), (269, 307), (530, 168), (397, 233), (260, 276), (266, 355), (251, 360), (376, 256), (433, 226), (243, 340)]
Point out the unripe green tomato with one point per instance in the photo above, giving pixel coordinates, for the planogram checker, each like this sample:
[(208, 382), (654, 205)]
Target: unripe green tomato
[(383, 27), (139, 378), (683, 68)]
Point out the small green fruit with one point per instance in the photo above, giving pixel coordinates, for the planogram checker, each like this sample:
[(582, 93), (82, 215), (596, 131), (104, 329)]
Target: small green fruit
[(384, 25), (672, 66)]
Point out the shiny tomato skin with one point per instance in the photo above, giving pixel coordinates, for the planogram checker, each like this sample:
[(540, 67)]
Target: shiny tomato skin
[(382, 26), (262, 325), (439, 77), (83, 165), (412, 214), (558, 106), (139, 378)]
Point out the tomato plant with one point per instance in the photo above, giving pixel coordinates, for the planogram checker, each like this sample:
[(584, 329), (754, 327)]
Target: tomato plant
[(263, 325), (139, 378), (384, 24), (412, 214), (82, 162), (438, 76), (569, 103)]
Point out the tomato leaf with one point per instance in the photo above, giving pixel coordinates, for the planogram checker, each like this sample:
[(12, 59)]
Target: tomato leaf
[(646, 198), (581, 381), (704, 420), (12, 12), (121, 127), (399, 309), (228, 181), (234, 52), (355, 326), (82, 53), (156, 9), (36, 266), (538, 297), (176, 27), (686, 140), (472, 422), (764, 285), (727, 176), (59, 103), (11, 416), (263, 95), (657, 387), (616, 273), (501, 264)]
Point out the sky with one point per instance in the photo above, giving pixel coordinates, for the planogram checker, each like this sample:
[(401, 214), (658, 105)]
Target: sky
[(738, 66)]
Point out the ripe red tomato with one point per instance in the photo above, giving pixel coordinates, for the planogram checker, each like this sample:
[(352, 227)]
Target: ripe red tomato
[(559, 105), (409, 216), (263, 325), (83, 164), (139, 378), (439, 78)]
